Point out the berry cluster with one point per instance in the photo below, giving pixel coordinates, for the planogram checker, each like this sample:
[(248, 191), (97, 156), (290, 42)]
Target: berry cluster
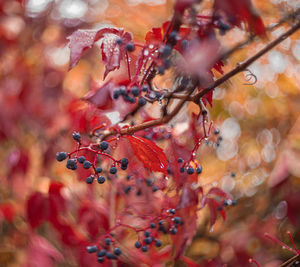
[(130, 94), (104, 252), (72, 163), (186, 166)]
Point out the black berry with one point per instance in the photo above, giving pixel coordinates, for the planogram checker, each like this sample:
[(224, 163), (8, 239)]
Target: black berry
[(190, 170), (152, 225), (100, 259), (146, 233), (89, 180), (98, 170), (71, 164), (173, 231), (76, 136), (116, 94), (107, 241), (177, 220), (91, 249), (148, 240), (199, 169), (135, 91), (81, 159), (144, 248), (130, 47), (142, 101), (172, 211), (158, 243), (137, 244), (101, 179), (117, 251), (60, 156), (87, 164), (180, 160), (127, 189), (154, 188), (119, 41), (145, 88), (124, 161), (167, 50), (181, 170), (104, 145), (113, 170)]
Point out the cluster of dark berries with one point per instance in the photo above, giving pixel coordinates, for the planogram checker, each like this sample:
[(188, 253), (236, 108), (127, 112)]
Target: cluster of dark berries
[(189, 170), (104, 252), (149, 182), (148, 240), (131, 95), (129, 46)]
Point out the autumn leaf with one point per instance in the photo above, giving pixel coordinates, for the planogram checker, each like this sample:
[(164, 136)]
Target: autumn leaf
[(112, 52), (152, 156), (36, 209)]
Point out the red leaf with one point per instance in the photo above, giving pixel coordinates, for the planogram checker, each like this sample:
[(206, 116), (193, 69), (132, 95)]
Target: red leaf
[(36, 209), (237, 11), (189, 197), (189, 262), (112, 53), (8, 211), (154, 36), (101, 96), (152, 156), (217, 191)]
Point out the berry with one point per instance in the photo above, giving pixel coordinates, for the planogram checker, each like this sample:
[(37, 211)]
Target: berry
[(117, 251), (119, 41), (81, 159), (124, 161), (144, 248), (173, 231), (172, 211), (161, 222), (225, 203), (135, 91), (145, 88), (184, 44), (161, 70), (124, 167), (71, 164), (127, 189), (172, 38), (149, 182), (98, 170), (220, 208), (101, 253), (152, 225), (104, 145), (60, 156), (199, 169), (113, 170), (148, 240), (158, 243), (130, 47), (137, 244), (180, 160), (154, 188), (87, 164), (232, 174), (234, 202), (123, 90), (177, 220), (76, 136), (101, 179), (91, 249), (100, 259), (142, 101), (217, 131), (116, 94), (181, 170), (167, 51), (146, 233), (190, 170), (107, 241), (89, 180), (111, 256)]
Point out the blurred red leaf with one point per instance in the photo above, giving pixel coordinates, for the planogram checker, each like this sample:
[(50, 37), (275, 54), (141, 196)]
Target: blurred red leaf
[(152, 156), (8, 211), (37, 206), (189, 262), (237, 11), (56, 201)]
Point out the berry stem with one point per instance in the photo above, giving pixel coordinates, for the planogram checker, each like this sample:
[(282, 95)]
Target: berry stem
[(280, 243), (94, 151), (292, 240), (253, 260)]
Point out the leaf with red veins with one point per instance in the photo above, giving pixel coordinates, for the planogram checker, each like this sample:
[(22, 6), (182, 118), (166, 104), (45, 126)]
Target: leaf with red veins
[(237, 11), (112, 53), (100, 96), (152, 156)]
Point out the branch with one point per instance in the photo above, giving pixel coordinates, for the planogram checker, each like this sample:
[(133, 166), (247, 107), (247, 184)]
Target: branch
[(242, 66)]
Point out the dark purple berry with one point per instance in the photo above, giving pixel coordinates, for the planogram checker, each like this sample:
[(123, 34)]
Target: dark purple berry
[(190, 170), (220, 208), (181, 170), (144, 248), (234, 202), (173, 231), (98, 170), (142, 101), (180, 160), (146, 233), (158, 243), (130, 47), (116, 94), (199, 169), (127, 189), (148, 240), (110, 256), (107, 241), (91, 249), (161, 70), (124, 161), (167, 50), (60, 156), (154, 188), (217, 131), (89, 180), (117, 251), (87, 164), (104, 145), (149, 182), (161, 222), (177, 220), (135, 91), (123, 90), (113, 170), (71, 164), (101, 179), (137, 244), (101, 253), (172, 211), (119, 41), (232, 174), (152, 225), (124, 167), (76, 136), (100, 259), (81, 159), (145, 88)]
